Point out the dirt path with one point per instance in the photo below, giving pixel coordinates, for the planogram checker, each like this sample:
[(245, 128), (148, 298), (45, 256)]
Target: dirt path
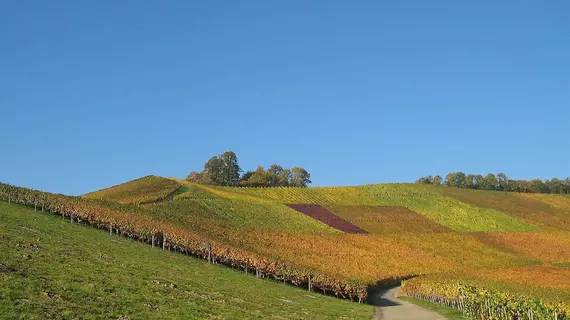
[(388, 307)]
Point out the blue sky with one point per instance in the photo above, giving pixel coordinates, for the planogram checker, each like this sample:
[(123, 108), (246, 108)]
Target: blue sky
[(94, 93)]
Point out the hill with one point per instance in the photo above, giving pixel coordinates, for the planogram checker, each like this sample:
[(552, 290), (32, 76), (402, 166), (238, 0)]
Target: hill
[(345, 240), (51, 268), (144, 190)]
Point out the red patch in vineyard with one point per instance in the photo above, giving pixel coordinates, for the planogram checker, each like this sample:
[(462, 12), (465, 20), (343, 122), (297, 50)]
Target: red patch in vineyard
[(317, 212), (386, 219)]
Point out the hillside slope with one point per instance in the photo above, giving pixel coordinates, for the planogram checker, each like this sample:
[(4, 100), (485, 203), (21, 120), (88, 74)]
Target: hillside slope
[(50, 268), (144, 190), (411, 230), (431, 202)]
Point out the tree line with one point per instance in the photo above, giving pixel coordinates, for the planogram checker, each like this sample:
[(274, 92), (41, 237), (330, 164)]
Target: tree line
[(499, 182), (224, 170)]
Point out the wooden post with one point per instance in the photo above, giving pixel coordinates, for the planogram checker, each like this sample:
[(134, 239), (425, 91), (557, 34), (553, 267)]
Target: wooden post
[(163, 242), (153, 240), (309, 283)]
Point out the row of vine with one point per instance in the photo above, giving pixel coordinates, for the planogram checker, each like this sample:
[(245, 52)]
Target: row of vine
[(485, 304), (171, 237)]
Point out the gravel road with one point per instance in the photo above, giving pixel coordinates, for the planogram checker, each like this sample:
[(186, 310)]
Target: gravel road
[(388, 307)]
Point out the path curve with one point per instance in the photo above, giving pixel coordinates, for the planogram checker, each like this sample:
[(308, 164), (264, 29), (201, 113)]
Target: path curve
[(388, 307)]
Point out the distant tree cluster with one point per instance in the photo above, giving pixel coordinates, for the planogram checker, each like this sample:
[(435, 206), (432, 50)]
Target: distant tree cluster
[(499, 182), (224, 170)]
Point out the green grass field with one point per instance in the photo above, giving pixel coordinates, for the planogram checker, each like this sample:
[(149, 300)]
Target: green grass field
[(52, 269)]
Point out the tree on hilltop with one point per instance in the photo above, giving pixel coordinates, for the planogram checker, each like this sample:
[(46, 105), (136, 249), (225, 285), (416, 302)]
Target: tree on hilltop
[(491, 182), (503, 181), (195, 176), (425, 180), (243, 181), (258, 178), (224, 170), (437, 180), (278, 176), (300, 177), (500, 182), (221, 170), (230, 169)]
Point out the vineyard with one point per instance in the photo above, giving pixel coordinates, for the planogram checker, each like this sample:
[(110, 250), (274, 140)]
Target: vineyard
[(549, 212), (145, 190), (323, 215), (157, 232), (551, 247), (386, 219), (525, 294), (343, 241), (52, 269), (427, 201)]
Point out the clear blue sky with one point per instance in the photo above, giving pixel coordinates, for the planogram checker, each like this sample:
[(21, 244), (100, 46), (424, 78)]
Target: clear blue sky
[(94, 93)]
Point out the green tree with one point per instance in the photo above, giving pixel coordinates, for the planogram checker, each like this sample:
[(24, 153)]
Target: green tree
[(197, 177), (470, 181), (300, 177), (460, 180), (566, 184), (214, 169), (245, 177), (554, 186), (258, 178), (538, 186), (437, 180), (479, 181), (284, 178), (503, 181), (230, 168), (425, 180), (273, 174), (525, 186), (450, 179), (223, 170), (491, 181)]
